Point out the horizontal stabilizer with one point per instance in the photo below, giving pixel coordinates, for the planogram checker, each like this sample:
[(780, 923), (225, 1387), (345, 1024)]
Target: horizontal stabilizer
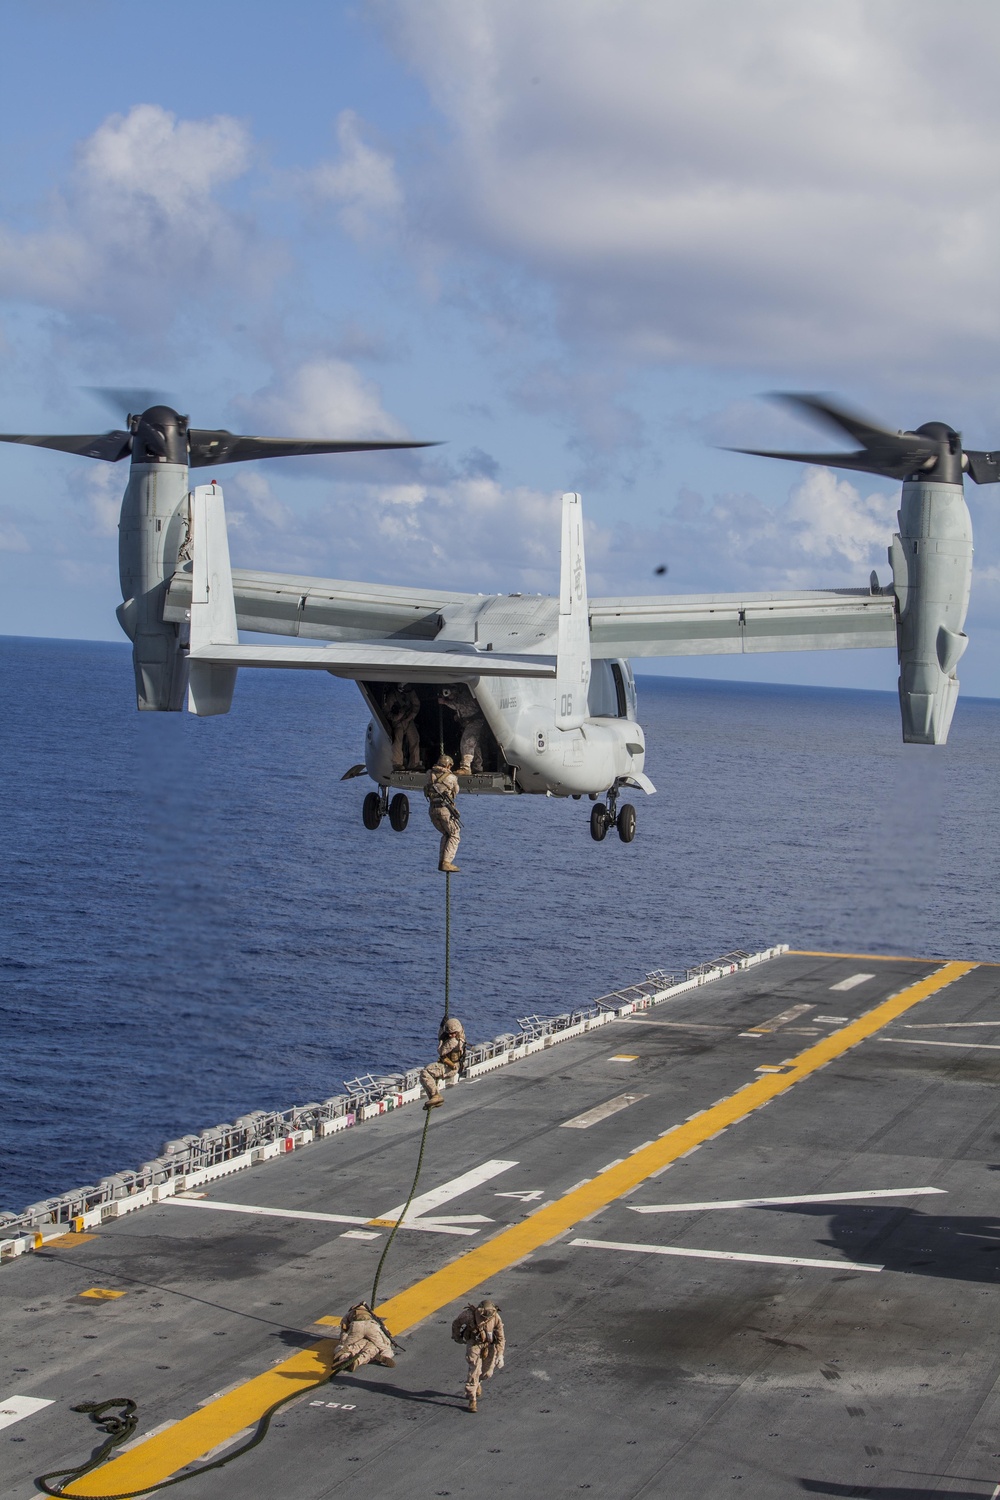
[(379, 661)]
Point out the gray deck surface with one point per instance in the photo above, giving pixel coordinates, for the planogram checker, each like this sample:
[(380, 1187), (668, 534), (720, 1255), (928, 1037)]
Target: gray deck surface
[(628, 1374)]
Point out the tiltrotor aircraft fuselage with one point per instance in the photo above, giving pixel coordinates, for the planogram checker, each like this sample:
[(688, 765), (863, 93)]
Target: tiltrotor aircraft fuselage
[(544, 682)]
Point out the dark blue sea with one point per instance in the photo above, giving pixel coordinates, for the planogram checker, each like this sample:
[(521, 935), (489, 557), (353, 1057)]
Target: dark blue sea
[(194, 922)]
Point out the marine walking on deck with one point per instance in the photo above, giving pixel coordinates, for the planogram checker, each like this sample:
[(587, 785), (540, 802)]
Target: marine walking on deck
[(481, 1330)]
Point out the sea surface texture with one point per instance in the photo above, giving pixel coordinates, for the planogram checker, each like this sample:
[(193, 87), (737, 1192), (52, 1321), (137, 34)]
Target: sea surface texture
[(194, 922)]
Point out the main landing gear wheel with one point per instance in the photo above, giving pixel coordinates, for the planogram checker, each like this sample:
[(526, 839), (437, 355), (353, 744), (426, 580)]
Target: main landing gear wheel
[(399, 811), (371, 811), (599, 820), (626, 823)]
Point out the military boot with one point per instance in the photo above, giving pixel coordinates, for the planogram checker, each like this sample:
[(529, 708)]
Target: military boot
[(447, 868), (472, 1403), (434, 1101)]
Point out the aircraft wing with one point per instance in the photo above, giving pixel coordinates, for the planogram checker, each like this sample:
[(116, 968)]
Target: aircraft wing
[(381, 661), (327, 609), (709, 624)]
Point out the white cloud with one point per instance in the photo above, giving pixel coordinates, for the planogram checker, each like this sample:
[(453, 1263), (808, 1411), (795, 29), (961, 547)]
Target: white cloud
[(775, 184), (140, 230), (323, 397), (466, 532), (12, 538), (828, 534), (102, 486), (362, 182)]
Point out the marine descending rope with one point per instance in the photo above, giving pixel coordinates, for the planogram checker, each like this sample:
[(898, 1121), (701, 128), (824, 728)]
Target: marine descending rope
[(120, 1427)]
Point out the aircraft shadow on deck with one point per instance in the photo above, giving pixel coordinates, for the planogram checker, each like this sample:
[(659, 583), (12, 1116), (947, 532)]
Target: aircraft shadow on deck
[(956, 1247)]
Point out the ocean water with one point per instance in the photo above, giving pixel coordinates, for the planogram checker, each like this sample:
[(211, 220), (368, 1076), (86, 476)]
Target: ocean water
[(194, 922)]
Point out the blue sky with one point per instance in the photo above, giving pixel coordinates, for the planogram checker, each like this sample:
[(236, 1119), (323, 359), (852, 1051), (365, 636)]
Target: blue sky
[(574, 238)]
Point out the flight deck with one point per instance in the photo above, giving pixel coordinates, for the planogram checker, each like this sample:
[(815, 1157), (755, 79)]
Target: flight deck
[(743, 1242)]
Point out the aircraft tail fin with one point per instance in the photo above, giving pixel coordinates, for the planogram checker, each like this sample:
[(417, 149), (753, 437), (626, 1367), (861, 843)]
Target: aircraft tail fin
[(213, 609), (573, 658)]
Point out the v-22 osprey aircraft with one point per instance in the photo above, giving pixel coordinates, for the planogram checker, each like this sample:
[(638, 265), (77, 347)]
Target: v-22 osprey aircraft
[(545, 682)]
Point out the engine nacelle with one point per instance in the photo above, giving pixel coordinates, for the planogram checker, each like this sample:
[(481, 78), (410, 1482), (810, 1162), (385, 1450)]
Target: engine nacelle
[(151, 532), (931, 560)]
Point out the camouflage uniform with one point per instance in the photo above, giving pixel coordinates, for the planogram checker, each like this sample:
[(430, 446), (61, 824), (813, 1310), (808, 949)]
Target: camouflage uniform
[(362, 1340), (470, 717), (402, 705), (451, 1055), (441, 790), (480, 1329)]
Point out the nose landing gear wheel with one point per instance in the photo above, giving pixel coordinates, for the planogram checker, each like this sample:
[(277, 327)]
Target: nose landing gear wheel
[(626, 823), (598, 821), (399, 811), (371, 811)]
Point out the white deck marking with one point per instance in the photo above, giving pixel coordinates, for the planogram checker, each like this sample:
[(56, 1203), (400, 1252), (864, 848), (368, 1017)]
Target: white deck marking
[(852, 982), (925, 1041), (527, 1195), (600, 1112), (678, 1025), (360, 1234), (764, 1260), (448, 1190), (16, 1408), (792, 1014), (690, 1208), (832, 1020), (947, 1025), (303, 1213)]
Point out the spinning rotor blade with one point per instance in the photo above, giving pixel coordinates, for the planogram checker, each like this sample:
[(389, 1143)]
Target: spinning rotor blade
[(895, 455), (217, 446), (126, 401), (983, 467), (110, 446)]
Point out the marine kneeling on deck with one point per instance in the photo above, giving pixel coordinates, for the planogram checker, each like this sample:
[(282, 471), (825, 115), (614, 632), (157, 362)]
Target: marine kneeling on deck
[(480, 1329), (362, 1340)]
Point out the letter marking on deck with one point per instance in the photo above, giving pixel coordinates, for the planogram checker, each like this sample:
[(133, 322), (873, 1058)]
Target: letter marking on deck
[(190, 1438), (430, 1225), (446, 1192), (852, 981), (601, 1112)]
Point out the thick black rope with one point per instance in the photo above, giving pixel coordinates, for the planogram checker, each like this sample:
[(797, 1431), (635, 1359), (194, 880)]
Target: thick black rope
[(447, 942), (427, 1118), (121, 1427), (406, 1205)]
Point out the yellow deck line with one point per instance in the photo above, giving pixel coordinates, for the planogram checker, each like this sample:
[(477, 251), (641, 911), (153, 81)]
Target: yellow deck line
[(878, 958), (204, 1429)]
